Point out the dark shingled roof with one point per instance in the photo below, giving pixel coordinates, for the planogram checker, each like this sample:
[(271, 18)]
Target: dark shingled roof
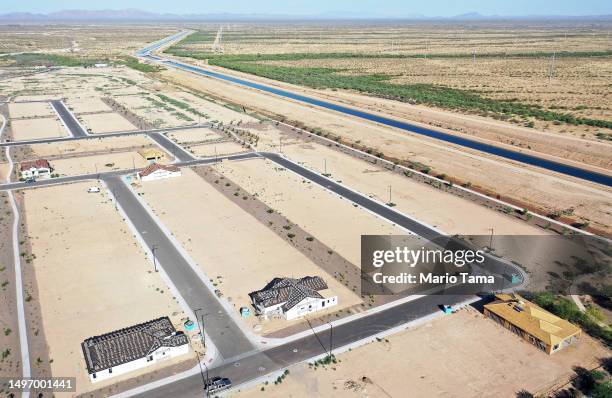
[(289, 291), (131, 343)]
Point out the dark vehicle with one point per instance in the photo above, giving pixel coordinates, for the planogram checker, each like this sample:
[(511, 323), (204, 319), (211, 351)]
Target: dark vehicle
[(30, 180), (217, 384)]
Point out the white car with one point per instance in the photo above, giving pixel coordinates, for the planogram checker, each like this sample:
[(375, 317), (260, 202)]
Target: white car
[(93, 190)]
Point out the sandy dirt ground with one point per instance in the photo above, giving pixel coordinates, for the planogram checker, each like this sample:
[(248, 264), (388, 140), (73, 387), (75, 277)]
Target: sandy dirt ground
[(219, 148), (98, 163), (461, 355), (545, 191), (193, 135), (87, 104), (86, 273), (321, 213), (4, 168), (444, 211), (32, 129), (41, 97), (90, 145), (237, 263), (31, 109), (105, 123)]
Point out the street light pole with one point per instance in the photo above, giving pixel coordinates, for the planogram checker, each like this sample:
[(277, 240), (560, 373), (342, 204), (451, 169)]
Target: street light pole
[(200, 324), (331, 339), (204, 379), (491, 240)]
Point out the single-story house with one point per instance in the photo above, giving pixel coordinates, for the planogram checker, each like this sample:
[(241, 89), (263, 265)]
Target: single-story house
[(35, 168), (544, 330), (151, 154), (132, 348), (293, 298), (156, 171)]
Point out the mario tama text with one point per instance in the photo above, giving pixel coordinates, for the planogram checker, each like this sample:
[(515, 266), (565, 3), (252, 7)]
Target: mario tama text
[(410, 264)]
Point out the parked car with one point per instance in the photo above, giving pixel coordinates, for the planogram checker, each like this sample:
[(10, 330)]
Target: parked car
[(30, 180), (93, 190), (217, 384)]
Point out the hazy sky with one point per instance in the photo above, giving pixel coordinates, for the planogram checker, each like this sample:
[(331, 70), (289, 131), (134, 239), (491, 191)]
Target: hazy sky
[(371, 7)]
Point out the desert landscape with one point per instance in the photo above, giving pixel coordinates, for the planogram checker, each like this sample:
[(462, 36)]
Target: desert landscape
[(224, 173)]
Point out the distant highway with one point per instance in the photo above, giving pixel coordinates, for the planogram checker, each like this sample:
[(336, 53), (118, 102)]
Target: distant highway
[(518, 156), (68, 118)]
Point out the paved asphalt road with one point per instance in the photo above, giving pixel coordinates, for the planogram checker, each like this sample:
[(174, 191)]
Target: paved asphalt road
[(260, 363), (228, 337), (107, 135), (93, 176), (177, 151), (69, 120)]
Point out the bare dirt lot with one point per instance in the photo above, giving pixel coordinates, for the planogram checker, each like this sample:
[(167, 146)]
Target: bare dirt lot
[(32, 129), (98, 163), (193, 135), (31, 109), (107, 145), (237, 264), (86, 104), (323, 214), (85, 273), (105, 123), (462, 355), (220, 148)]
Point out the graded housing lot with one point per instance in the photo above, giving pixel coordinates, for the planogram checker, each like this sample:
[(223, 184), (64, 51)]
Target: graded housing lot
[(237, 252), (32, 129), (100, 123), (461, 355), (30, 109), (327, 217), (88, 267)]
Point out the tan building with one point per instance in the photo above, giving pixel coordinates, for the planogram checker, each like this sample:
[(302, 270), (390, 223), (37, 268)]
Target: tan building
[(546, 331), (151, 154)]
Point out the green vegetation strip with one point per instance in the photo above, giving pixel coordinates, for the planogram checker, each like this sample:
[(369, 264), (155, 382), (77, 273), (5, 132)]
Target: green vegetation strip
[(590, 320), (377, 84), (39, 59)]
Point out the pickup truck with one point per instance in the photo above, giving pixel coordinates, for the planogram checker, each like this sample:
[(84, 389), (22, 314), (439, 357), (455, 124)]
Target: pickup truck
[(217, 384)]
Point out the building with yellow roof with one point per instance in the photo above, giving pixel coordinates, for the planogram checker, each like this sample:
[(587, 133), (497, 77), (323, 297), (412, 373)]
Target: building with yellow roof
[(151, 154), (546, 331)]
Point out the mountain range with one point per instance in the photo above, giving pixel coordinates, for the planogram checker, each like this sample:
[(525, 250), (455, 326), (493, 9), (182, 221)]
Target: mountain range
[(131, 14)]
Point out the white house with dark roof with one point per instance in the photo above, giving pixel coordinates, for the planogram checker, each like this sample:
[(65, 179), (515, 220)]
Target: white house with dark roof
[(35, 168), (133, 348), (293, 298)]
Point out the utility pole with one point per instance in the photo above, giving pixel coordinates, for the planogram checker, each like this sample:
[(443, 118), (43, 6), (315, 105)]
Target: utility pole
[(390, 194), (280, 144), (491, 240), (331, 339), (474, 56), (204, 379), (325, 166), (200, 325)]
